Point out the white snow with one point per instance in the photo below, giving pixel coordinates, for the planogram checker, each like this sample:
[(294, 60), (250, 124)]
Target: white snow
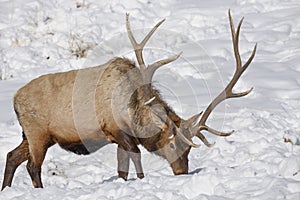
[(261, 160)]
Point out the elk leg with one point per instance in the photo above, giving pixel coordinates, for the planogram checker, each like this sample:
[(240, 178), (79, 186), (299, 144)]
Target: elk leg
[(13, 160), (34, 171), (123, 163), (136, 158), (128, 146), (37, 154)]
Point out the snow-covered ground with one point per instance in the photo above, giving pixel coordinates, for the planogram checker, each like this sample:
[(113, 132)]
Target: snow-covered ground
[(260, 161)]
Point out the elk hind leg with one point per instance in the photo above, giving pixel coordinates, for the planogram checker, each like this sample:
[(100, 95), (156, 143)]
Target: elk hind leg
[(13, 160), (36, 158)]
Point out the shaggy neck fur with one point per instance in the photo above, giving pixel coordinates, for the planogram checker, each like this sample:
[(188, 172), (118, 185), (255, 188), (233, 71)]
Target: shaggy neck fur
[(141, 116)]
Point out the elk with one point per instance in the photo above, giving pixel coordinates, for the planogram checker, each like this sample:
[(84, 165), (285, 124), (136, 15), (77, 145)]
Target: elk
[(84, 110)]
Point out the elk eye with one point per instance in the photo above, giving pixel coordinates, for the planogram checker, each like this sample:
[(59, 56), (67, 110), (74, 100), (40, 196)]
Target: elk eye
[(172, 146)]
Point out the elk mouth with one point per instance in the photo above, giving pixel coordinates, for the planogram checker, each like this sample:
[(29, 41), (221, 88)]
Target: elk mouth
[(180, 166)]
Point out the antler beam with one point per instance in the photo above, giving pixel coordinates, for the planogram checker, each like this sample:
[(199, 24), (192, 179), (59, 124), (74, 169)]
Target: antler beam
[(227, 92)]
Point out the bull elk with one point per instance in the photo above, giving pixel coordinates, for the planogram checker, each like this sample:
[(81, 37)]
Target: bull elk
[(74, 109)]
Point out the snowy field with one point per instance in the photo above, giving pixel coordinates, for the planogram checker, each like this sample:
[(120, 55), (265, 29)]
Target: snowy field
[(260, 161)]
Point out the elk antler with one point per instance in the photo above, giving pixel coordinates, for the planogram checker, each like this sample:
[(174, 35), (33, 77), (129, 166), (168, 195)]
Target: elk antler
[(227, 92), (147, 72)]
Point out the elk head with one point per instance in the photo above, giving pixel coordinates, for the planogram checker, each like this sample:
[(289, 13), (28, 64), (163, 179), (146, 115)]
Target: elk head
[(164, 125), (175, 134)]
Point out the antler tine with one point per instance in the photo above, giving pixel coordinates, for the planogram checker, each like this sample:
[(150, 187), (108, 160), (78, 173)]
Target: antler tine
[(206, 128), (235, 39), (138, 48), (250, 59), (227, 92), (153, 67), (203, 139), (145, 40)]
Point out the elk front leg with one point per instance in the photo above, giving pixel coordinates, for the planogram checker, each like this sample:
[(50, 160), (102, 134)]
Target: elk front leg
[(123, 163), (127, 149), (136, 158)]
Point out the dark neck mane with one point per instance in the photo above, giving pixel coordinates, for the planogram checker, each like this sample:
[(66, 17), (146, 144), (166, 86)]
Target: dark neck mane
[(140, 115)]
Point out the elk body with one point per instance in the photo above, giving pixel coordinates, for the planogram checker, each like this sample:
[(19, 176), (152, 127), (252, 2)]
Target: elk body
[(83, 110)]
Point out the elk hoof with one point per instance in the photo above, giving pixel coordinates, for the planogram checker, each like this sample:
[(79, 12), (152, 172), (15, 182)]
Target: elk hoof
[(140, 175)]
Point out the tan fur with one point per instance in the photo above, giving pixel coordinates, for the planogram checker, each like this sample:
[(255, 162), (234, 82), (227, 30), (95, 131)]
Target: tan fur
[(47, 103), (83, 110)]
